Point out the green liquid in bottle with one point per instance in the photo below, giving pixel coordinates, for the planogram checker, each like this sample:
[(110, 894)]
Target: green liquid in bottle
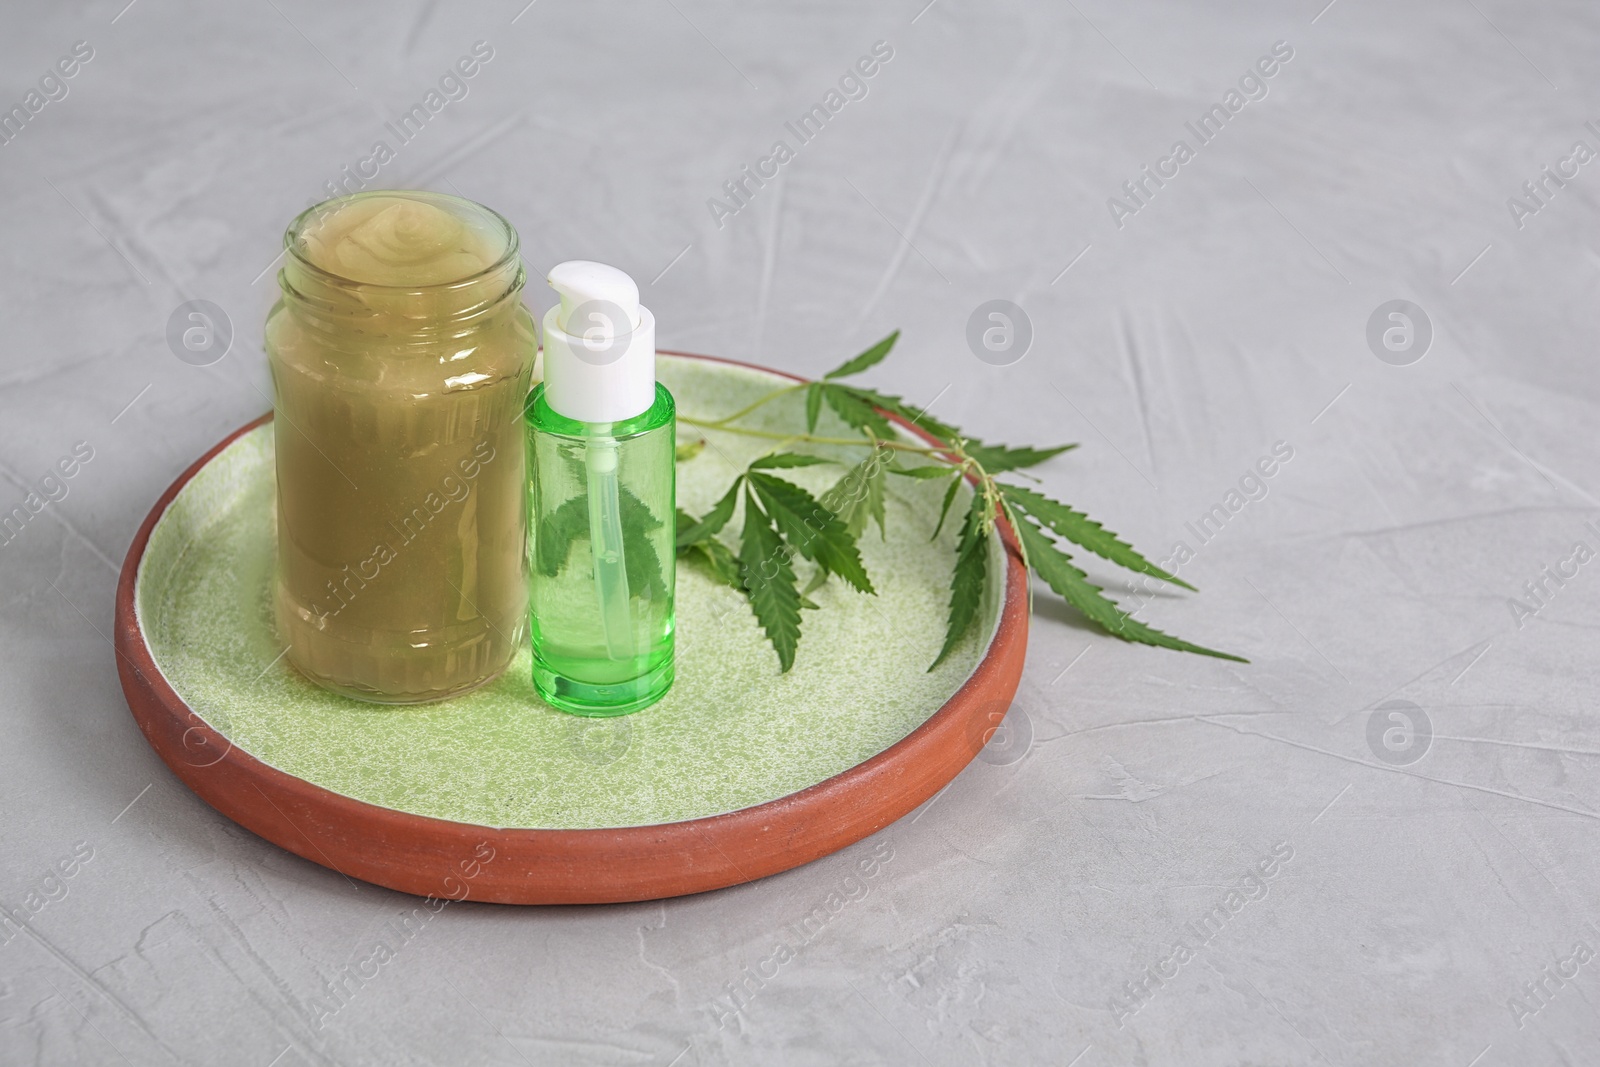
[(602, 549)]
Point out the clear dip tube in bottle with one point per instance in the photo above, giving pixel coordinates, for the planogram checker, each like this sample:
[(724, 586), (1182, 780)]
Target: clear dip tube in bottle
[(602, 438), (401, 356)]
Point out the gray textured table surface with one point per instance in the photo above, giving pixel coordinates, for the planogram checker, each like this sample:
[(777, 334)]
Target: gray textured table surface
[(1438, 901)]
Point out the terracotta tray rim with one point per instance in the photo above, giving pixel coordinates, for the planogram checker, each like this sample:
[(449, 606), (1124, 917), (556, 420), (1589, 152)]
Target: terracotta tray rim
[(448, 858)]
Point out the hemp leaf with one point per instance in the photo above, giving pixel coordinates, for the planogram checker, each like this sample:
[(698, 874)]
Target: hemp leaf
[(918, 417), (557, 530), (972, 566), (944, 508), (1073, 586), (930, 470), (870, 358), (855, 410), (782, 519), (858, 496), (568, 524), (810, 529), (694, 530), (1078, 528), (813, 405), (722, 563), (638, 549), (995, 459), (769, 582), (786, 459)]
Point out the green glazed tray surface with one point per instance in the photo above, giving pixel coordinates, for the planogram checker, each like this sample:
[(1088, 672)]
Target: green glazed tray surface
[(732, 733)]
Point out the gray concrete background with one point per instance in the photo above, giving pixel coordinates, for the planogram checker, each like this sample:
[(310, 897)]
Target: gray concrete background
[(1435, 871)]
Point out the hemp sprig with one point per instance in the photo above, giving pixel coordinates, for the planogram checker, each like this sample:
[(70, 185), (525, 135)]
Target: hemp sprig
[(781, 520)]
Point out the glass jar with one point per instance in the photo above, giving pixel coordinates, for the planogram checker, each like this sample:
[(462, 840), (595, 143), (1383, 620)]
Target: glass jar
[(401, 356)]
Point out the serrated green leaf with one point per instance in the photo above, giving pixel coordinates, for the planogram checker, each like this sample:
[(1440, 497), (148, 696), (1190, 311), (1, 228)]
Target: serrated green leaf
[(856, 411), (769, 582), (568, 524), (639, 558), (875, 506), (926, 471), (724, 566), (555, 533), (919, 418), (811, 529), (949, 498), (966, 587), (1078, 528), (859, 495), (714, 521), (1073, 586), (995, 458), (783, 519), (998, 458), (786, 459), (636, 516), (690, 449), (870, 358)]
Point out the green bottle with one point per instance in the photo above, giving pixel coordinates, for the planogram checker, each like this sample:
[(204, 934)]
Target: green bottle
[(602, 439)]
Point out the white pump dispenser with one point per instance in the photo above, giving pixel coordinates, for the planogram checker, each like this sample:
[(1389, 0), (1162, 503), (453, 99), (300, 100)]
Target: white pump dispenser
[(601, 435), (599, 345), (600, 369)]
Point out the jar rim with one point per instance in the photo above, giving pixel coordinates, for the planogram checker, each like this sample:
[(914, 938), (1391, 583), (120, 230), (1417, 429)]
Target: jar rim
[(292, 234)]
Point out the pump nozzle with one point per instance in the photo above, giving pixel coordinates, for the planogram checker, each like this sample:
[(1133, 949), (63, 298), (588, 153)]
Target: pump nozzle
[(583, 282), (599, 345)]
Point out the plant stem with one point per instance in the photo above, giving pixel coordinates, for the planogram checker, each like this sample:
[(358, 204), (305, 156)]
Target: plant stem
[(748, 408), (861, 442)]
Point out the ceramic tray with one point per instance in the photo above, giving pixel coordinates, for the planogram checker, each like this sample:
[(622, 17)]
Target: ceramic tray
[(740, 772)]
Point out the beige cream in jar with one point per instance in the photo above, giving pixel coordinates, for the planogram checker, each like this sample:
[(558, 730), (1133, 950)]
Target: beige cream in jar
[(401, 356)]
